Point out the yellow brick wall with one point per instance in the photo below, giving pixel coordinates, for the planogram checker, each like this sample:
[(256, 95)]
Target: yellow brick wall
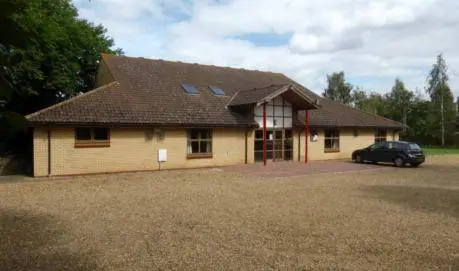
[(40, 152), (131, 150), (348, 143), (250, 146)]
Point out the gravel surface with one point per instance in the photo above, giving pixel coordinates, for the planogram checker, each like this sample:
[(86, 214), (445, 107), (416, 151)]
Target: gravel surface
[(396, 219)]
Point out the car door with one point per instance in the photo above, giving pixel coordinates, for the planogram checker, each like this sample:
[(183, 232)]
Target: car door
[(392, 151), (378, 152)]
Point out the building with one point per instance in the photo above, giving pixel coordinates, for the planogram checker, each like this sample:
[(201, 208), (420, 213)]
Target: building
[(154, 114)]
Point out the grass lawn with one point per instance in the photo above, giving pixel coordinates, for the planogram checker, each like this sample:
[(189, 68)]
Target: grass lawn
[(440, 151), (391, 219)]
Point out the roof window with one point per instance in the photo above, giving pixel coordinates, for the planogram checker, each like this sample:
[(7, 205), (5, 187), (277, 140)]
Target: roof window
[(189, 88), (217, 91)]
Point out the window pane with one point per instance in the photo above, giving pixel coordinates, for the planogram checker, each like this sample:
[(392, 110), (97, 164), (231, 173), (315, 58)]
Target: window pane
[(83, 133), (288, 133), (288, 155), (195, 147), (259, 134), (269, 144), (258, 156), (269, 155), (277, 155), (205, 147), (258, 145), (288, 144), (193, 134), (327, 143), (100, 134), (414, 146), (206, 134), (335, 143)]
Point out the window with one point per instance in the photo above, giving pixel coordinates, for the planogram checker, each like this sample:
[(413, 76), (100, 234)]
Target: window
[(331, 141), (199, 143), (380, 135), (279, 114), (414, 147), (217, 91), (279, 145), (92, 137), (189, 88), (380, 146)]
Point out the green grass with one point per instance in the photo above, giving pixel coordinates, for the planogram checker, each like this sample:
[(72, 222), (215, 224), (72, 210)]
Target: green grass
[(441, 151)]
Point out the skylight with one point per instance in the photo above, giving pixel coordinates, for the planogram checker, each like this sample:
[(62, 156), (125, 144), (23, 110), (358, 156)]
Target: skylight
[(189, 88), (217, 91)]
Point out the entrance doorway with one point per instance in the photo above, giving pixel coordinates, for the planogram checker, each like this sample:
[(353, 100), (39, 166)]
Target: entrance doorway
[(279, 145)]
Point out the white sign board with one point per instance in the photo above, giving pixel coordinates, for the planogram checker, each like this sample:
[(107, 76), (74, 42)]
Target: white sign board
[(162, 155)]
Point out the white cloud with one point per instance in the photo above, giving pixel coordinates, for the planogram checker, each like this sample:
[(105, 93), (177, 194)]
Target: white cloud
[(373, 41)]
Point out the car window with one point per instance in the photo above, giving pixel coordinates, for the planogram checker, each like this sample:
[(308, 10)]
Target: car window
[(414, 147), (392, 145), (379, 145)]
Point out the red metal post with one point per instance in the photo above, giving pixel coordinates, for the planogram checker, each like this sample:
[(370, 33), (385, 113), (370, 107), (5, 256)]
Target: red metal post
[(264, 134), (306, 135)]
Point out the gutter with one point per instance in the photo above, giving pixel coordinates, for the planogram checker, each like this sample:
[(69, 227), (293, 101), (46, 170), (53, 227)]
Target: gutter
[(49, 152)]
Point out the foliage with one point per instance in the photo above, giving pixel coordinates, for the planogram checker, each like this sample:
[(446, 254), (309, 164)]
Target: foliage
[(443, 107), (47, 53), (440, 151), (400, 101), (428, 122), (338, 89)]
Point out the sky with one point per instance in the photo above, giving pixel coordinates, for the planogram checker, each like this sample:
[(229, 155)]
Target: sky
[(372, 41)]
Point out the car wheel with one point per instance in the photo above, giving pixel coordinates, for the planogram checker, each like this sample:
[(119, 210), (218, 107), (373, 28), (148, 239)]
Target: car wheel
[(358, 159), (399, 162), (415, 165)]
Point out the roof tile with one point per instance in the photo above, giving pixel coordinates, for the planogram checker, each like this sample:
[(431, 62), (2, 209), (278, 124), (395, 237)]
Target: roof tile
[(149, 92)]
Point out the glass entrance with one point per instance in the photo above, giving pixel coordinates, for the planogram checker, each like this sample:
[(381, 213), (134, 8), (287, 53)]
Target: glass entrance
[(279, 145)]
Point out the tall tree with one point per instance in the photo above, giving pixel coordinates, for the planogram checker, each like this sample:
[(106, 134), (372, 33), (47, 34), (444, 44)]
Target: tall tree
[(47, 54), (359, 98), (441, 95), (400, 100), (338, 89)]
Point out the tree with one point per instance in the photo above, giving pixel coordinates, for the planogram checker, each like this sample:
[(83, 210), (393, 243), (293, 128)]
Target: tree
[(338, 89), (441, 96), (400, 100), (359, 98), (47, 54)]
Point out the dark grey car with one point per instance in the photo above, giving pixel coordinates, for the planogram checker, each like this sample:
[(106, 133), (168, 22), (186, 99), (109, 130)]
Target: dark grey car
[(398, 152)]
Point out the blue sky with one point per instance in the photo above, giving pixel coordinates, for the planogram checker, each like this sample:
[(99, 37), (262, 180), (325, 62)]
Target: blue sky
[(373, 42)]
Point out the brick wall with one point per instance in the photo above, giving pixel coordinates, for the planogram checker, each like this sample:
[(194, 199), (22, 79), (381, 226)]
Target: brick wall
[(348, 143), (131, 150), (40, 152)]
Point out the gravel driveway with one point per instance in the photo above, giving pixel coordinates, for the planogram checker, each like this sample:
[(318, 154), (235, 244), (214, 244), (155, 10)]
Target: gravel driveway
[(209, 219)]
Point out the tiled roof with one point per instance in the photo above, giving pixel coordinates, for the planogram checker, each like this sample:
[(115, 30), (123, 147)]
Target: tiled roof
[(149, 92)]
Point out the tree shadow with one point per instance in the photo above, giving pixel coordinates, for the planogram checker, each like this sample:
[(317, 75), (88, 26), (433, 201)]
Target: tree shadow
[(14, 165), (428, 199), (31, 242)]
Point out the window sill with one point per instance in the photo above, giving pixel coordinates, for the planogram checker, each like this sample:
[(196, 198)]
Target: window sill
[(199, 156), (331, 150), (92, 145)]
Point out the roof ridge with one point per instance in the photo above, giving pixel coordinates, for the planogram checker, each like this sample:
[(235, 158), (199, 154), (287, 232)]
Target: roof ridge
[(362, 111), (190, 63), (268, 86), (71, 99)]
